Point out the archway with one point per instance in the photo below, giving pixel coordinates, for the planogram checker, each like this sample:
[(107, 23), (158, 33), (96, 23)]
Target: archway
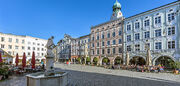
[(105, 61), (164, 61), (137, 60), (95, 60), (118, 61)]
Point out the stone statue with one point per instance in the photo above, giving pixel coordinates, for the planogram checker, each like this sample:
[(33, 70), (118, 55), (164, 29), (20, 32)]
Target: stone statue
[(50, 57), (50, 45)]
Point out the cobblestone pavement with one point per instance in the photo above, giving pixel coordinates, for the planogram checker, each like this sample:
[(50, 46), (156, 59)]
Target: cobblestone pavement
[(80, 75)]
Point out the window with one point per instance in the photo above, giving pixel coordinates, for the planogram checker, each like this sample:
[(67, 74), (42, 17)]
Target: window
[(108, 42), (92, 52), (34, 48), (97, 44), (2, 39), (158, 45), (137, 36), (120, 33), (147, 34), (10, 40), (38, 49), (120, 50), (42, 44), (42, 54), (9, 52), (171, 30), (114, 50), (171, 45), (108, 36), (34, 43), (137, 47), (158, 20), (97, 51), (16, 47), (137, 25), (146, 23), (129, 48), (102, 51), (102, 36), (128, 27), (98, 37), (92, 44), (114, 34), (114, 42), (38, 44), (171, 17), (29, 48), (9, 46), (22, 47), (2, 45), (17, 40), (93, 38), (108, 51), (158, 33), (23, 41), (120, 41), (128, 38), (29, 42), (102, 43)]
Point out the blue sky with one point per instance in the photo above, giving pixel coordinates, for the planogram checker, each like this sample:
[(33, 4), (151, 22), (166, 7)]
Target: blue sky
[(44, 18)]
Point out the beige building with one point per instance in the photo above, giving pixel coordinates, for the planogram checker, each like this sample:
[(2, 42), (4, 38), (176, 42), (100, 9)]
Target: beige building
[(106, 38), (13, 44), (80, 47)]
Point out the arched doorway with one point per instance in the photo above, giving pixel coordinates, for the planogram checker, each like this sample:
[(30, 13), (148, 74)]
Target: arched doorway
[(118, 61), (105, 61), (138, 60), (95, 60), (164, 61)]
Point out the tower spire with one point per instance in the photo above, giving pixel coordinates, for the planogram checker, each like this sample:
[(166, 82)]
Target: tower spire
[(116, 11)]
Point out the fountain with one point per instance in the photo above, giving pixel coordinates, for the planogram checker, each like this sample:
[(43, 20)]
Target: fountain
[(50, 77)]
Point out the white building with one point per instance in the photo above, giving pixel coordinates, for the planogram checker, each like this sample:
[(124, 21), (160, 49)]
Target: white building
[(13, 44), (158, 28)]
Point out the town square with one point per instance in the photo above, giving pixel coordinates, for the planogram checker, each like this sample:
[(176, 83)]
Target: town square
[(135, 47)]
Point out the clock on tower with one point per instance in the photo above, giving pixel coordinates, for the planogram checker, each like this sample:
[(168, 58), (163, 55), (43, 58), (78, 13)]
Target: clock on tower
[(116, 11)]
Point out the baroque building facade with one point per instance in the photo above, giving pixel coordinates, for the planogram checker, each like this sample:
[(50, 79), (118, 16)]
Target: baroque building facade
[(159, 29), (156, 30), (107, 38), (63, 50), (18, 44)]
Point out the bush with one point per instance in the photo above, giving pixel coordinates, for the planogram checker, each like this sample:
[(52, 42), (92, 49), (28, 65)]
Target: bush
[(88, 59), (175, 65), (95, 60), (79, 59), (105, 60)]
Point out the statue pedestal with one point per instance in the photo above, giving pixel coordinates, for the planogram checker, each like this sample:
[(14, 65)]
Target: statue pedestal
[(49, 66)]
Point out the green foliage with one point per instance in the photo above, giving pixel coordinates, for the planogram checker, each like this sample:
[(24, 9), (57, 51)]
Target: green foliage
[(4, 70), (88, 59), (79, 59), (95, 60), (175, 65), (118, 61), (105, 60)]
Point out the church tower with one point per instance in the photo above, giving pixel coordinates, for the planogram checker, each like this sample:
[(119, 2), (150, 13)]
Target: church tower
[(116, 11)]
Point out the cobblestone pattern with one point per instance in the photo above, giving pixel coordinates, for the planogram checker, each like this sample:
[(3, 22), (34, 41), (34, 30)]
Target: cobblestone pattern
[(96, 76)]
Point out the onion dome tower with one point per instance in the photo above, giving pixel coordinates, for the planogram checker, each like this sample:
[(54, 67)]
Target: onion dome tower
[(116, 11)]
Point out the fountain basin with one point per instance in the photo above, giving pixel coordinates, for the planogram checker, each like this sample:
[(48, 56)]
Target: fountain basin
[(39, 79)]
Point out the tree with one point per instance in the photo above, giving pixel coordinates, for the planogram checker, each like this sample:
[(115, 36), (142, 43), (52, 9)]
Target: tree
[(175, 65), (95, 60), (88, 59), (79, 60)]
